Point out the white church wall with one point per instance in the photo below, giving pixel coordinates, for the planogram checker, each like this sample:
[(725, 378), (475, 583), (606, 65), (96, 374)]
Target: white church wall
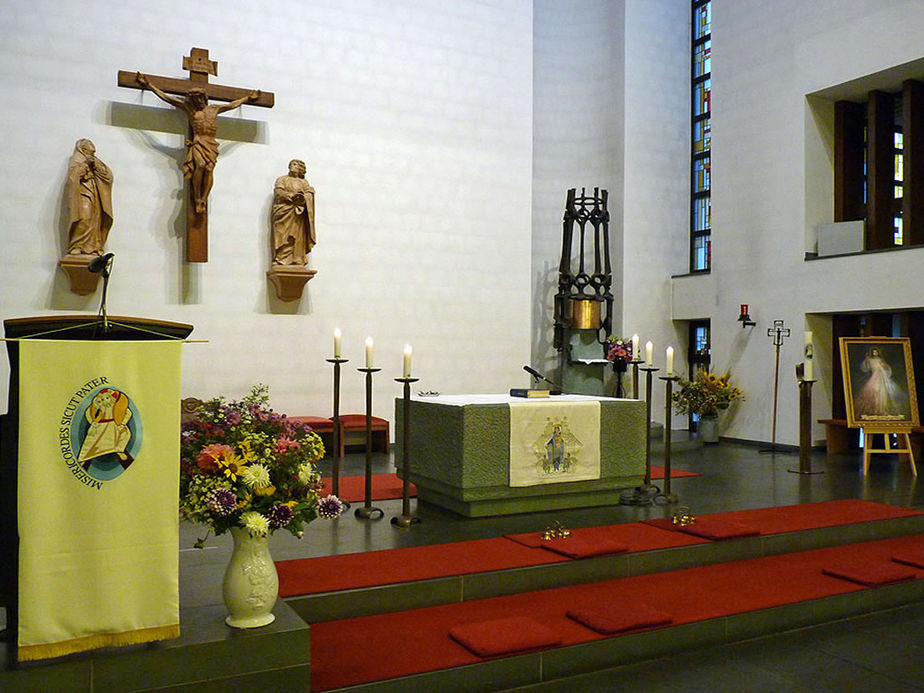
[(771, 175), (656, 217), (415, 121), (579, 110)]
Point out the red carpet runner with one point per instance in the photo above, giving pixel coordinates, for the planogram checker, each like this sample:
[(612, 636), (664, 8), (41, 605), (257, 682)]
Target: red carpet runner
[(389, 486), (373, 648), (355, 570)]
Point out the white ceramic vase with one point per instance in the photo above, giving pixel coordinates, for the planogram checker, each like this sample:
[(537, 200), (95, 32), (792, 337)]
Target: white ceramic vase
[(250, 585)]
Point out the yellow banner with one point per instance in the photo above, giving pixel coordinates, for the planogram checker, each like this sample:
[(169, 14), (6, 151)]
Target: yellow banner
[(98, 492)]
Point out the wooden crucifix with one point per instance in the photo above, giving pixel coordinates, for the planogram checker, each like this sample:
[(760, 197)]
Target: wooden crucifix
[(201, 145)]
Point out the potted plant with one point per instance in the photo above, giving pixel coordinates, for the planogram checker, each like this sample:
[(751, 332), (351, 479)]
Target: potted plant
[(619, 353), (248, 470), (705, 396)]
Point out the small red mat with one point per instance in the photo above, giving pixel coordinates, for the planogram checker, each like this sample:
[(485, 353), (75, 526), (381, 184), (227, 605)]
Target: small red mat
[(504, 636), (618, 617), (868, 573), (384, 487), (913, 555), (580, 546)]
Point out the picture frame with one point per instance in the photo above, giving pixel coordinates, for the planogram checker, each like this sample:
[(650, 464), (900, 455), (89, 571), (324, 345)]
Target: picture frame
[(879, 382)]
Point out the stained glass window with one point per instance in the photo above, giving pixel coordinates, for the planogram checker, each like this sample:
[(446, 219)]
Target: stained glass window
[(701, 139)]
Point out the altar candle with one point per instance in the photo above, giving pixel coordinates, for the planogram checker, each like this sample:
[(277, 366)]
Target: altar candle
[(669, 357), (808, 373), (635, 353), (407, 360), (368, 352), (337, 337), (649, 353)]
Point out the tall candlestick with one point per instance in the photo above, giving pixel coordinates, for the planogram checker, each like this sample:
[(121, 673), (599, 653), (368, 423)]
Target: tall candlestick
[(669, 357), (635, 353), (808, 373), (368, 352), (649, 353), (338, 335), (407, 360)]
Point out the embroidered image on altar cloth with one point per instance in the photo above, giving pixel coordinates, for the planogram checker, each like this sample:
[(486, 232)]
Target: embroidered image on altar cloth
[(554, 442), (557, 449)]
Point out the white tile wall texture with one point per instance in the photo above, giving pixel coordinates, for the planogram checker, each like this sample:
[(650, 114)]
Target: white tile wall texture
[(415, 121)]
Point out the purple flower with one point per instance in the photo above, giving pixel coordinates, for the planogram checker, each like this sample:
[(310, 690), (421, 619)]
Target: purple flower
[(330, 507), (221, 501), (280, 516), (233, 417)]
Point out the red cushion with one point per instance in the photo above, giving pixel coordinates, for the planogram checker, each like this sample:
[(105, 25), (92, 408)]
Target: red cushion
[(359, 421), (582, 546), (912, 556), (503, 636), (619, 617), (712, 527), (871, 574)]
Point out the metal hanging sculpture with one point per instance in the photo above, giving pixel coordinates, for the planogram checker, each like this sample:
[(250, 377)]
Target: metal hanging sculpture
[(584, 300)]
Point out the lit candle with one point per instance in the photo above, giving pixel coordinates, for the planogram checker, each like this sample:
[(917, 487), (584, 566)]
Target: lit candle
[(337, 337), (635, 353), (649, 355), (669, 357), (368, 352), (407, 360), (808, 373)]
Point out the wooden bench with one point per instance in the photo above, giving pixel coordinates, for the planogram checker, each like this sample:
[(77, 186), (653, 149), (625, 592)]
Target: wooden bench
[(356, 423)]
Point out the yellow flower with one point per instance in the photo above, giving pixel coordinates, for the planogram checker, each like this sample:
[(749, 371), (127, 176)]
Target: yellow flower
[(231, 465), (265, 491), (246, 451)]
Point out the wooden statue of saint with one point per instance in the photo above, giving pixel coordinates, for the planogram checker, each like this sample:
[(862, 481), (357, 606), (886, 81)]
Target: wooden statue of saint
[(89, 201), (293, 232), (202, 148), (89, 215), (293, 217)]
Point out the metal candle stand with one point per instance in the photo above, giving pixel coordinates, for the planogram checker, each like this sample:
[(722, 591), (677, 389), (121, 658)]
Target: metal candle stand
[(667, 496), (805, 429), (367, 511), (644, 494), (335, 453), (405, 519), (635, 365)]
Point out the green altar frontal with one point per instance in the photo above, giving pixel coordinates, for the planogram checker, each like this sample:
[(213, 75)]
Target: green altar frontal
[(460, 455)]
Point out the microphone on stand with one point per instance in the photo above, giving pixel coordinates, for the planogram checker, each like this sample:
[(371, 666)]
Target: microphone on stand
[(102, 265), (538, 376)]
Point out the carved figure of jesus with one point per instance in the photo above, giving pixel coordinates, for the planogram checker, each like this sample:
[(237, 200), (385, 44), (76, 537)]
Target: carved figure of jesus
[(202, 149)]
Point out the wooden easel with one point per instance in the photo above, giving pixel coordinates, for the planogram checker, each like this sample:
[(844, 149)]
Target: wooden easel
[(904, 437)]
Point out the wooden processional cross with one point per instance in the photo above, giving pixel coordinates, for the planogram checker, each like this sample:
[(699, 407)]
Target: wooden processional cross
[(202, 148)]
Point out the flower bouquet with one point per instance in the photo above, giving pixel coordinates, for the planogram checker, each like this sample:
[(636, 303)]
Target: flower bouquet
[(706, 395), (243, 465), (619, 351), (250, 471)]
